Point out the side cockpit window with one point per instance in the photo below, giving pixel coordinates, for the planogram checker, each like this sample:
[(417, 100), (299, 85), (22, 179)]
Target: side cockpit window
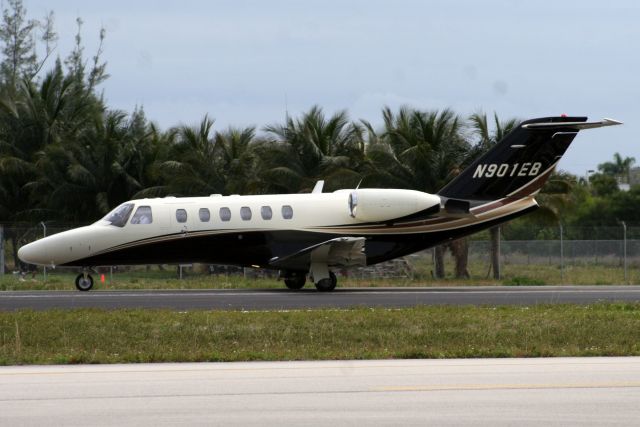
[(142, 216), (120, 215)]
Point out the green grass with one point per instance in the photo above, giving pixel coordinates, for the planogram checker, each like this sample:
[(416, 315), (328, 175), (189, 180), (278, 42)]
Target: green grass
[(124, 336), (137, 280), (513, 274)]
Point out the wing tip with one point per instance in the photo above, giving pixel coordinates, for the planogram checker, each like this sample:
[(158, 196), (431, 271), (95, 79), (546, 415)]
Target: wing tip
[(611, 122)]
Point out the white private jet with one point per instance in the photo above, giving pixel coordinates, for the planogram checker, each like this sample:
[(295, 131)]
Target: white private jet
[(311, 234)]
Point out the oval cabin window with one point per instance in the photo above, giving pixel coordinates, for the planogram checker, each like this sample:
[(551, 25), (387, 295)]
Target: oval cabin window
[(181, 215), (287, 212), (204, 214), (266, 212), (245, 213), (225, 214)]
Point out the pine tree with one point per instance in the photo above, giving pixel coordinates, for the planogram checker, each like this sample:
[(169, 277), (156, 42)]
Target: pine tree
[(17, 36)]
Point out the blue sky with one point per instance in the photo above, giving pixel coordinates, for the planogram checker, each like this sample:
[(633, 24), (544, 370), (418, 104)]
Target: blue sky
[(244, 62)]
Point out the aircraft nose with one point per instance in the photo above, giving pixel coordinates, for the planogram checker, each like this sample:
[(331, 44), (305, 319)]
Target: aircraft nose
[(34, 253)]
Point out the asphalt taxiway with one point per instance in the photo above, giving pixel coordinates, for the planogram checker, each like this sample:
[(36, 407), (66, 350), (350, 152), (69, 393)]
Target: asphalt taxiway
[(277, 299), (485, 392)]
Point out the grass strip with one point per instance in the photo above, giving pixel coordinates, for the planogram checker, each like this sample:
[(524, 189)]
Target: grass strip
[(126, 336)]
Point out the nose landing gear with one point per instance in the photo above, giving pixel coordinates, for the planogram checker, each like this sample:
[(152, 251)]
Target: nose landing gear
[(84, 281)]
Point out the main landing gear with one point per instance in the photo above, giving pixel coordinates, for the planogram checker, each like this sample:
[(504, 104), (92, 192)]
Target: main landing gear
[(297, 279), (84, 281), (328, 283)]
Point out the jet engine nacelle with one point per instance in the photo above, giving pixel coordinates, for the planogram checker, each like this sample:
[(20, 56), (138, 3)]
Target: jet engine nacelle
[(372, 204)]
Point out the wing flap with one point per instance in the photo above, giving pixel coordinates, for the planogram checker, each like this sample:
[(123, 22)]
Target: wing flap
[(338, 252)]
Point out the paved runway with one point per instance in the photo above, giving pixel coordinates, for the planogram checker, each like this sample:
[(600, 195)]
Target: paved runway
[(484, 392), (276, 299)]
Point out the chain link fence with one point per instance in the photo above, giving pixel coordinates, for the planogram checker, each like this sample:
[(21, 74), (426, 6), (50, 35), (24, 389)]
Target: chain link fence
[(555, 255)]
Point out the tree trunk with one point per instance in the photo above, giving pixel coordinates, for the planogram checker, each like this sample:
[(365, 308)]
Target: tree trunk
[(439, 262), (460, 251), (12, 235), (495, 252)]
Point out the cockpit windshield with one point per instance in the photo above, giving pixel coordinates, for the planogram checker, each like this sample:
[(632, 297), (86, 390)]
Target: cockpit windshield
[(119, 215)]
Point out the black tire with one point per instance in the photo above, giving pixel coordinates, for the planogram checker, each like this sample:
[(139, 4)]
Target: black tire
[(328, 284), (84, 282), (295, 280)]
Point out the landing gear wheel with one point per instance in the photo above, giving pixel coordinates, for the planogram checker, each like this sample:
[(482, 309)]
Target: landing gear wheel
[(295, 280), (328, 284), (84, 282)]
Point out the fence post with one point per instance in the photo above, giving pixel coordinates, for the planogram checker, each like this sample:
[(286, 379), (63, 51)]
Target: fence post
[(624, 251), (44, 231), (561, 256), (495, 251), (1, 250)]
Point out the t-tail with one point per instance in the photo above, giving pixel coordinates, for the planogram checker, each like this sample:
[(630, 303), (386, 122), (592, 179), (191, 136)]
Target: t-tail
[(519, 164)]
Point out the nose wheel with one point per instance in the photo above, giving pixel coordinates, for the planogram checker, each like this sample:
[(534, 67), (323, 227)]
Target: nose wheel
[(84, 282)]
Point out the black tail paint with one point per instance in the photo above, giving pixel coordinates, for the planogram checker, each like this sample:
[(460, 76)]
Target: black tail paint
[(519, 164)]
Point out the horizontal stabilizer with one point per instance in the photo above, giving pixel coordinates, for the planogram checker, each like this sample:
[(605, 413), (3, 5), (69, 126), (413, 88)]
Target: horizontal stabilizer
[(572, 125)]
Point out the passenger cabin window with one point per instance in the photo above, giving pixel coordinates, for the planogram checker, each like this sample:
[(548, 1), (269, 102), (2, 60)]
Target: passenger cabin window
[(245, 213), (181, 215), (225, 214), (287, 212), (266, 213), (120, 215), (204, 214), (142, 216)]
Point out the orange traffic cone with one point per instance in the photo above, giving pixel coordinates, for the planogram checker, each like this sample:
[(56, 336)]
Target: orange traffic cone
[(102, 278)]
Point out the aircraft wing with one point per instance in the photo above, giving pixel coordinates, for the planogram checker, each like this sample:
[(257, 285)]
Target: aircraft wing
[(338, 252)]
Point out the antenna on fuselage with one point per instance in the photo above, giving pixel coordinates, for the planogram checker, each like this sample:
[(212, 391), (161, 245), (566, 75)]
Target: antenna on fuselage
[(318, 187), (358, 186)]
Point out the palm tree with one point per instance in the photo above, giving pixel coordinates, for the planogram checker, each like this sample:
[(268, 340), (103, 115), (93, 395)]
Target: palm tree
[(420, 150), (192, 167), (85, 178), (33, 117), (146, 151), (300, 152), (486, 140), (619, 168), (557, 195), (236, 156)]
